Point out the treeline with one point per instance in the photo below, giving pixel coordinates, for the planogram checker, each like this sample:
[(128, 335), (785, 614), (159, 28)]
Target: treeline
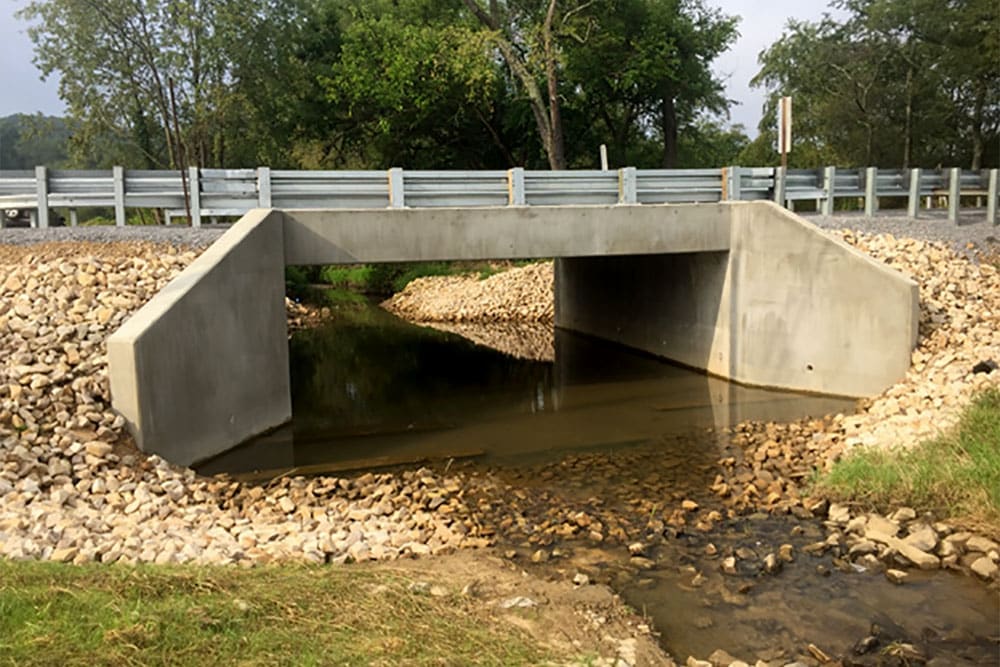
[(477, 84), (899, 83), (28, 141)]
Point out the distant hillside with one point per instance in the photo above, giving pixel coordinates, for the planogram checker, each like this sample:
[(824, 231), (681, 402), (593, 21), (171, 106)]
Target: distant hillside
[(27, 141)]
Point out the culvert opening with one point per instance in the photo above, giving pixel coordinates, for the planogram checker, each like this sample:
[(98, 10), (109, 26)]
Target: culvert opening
[(374, 388)]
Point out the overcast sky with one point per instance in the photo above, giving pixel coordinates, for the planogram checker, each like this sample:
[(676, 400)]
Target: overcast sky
[(21, 90)]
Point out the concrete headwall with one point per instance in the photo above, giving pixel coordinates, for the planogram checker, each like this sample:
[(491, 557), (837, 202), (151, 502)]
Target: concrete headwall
[(204, 364), (787, 306)]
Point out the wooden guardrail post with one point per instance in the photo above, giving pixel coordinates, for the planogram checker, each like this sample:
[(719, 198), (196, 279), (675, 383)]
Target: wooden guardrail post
[(954, 192), (992, 194), (515, 187), (628, 192), (913, 203), (779, 186), (118, 183), (829, 189), (264, 187), (871, 196), (397, 198), (42, 194), (194, 190)]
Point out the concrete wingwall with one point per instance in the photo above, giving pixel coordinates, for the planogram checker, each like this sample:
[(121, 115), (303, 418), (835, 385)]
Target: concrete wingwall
[(203, 365), (787, 307)]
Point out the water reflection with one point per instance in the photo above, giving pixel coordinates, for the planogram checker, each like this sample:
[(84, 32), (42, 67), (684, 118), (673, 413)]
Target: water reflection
[(371, 387)]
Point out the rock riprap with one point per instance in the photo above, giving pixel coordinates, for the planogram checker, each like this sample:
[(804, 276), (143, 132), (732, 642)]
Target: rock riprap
[(74, 488), (523, 294)]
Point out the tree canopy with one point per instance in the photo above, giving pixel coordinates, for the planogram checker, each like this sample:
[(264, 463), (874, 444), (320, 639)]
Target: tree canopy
[(376, 83), (899, 83)]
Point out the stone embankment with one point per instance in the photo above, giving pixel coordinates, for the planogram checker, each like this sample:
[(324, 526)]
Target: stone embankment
[(73, 488)]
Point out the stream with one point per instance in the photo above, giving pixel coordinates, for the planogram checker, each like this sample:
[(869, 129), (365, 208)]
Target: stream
[(578, 425)]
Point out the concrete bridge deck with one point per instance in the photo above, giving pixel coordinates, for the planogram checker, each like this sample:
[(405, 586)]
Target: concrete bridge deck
[(744, 290)]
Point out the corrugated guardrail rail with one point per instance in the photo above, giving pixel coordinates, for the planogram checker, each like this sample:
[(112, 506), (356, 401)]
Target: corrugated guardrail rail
[(233, 192)]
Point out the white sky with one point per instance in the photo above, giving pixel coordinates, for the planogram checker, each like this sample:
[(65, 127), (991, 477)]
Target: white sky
[(22, 91)]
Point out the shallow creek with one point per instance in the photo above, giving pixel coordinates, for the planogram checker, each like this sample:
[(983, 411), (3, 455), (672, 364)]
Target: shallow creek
[(590, 441)]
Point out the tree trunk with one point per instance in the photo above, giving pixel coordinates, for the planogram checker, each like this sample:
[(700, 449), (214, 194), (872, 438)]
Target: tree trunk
[(557, 154), (548, 118), (668, 125), (977, 132)]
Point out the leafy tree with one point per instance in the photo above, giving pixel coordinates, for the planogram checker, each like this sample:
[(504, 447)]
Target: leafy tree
[(898, 83), (155, 83)]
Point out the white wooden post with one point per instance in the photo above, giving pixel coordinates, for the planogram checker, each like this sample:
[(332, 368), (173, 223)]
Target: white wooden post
[(627, 186), (194, 195), (954, 192), (42, 194), (118, 180), (397, 198), (264, 187), (913, 203), (871, 195), (829, 189), (515, 187)]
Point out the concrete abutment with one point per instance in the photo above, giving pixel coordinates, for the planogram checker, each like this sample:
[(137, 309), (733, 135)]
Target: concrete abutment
[(745, 291)]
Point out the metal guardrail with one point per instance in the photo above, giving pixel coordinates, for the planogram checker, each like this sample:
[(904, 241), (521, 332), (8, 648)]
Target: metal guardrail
[(233, 192)]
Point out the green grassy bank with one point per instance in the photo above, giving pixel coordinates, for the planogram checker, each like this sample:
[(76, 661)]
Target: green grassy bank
[(956, 475), (55, 614)]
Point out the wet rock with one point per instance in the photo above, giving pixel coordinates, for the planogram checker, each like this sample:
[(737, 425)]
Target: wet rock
[(984, 568), (771, 564), (896, 576), (720, 658)]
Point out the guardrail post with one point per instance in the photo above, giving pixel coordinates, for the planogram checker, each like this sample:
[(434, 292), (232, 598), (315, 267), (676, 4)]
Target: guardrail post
[(871, 195), (42, 193), (913, 203), (627, 190), (779, 186), (74, 220), (194, 195), (734, 191), (264, 187), (515, 187), (992, 194), (397, 198), (829, 189), (954, 184), (118, 181)]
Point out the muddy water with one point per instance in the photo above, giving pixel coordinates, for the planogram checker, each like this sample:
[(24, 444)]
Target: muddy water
[(575, 458), (370, 386)]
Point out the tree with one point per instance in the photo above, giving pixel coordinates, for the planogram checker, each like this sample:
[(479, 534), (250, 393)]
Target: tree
[(897, 83), (646, 70), (163, 83)]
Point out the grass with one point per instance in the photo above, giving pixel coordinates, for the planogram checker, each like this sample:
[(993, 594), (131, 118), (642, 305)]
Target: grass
[(956, 475), (56, 614)]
